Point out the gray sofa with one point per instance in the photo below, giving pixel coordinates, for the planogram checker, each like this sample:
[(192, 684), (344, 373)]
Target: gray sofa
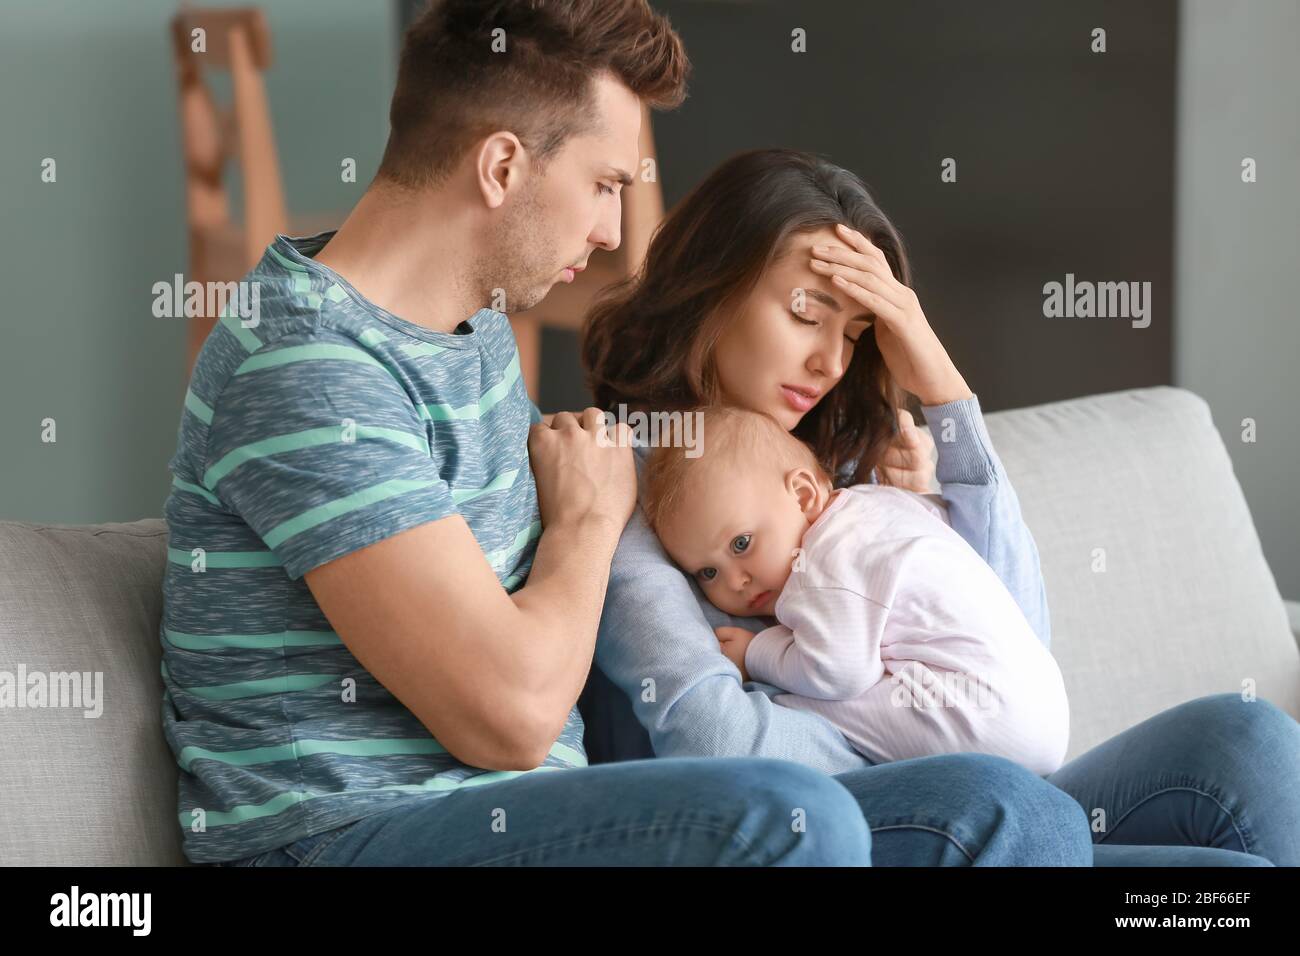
[(1186, 606)]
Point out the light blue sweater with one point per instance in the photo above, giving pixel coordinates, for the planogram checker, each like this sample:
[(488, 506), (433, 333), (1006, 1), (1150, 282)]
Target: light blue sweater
[(656, 640)]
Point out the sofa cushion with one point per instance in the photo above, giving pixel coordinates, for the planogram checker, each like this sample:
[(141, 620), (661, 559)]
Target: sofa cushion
[(78, 790), (1186, 604)]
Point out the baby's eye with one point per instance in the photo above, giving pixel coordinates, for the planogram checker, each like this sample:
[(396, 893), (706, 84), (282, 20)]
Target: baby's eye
[(739, 543), (708, 574)]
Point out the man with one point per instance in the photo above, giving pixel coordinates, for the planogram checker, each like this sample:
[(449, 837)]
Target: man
[(386, 574)]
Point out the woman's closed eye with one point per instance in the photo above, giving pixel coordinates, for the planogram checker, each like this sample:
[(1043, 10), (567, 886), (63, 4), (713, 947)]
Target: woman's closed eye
[(813, 322)]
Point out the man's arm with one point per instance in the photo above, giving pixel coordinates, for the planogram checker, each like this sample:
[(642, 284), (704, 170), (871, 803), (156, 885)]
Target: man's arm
[(492, 675), (327, 460)]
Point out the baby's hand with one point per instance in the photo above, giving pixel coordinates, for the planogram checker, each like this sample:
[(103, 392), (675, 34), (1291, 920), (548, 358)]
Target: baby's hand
[(734, 641)]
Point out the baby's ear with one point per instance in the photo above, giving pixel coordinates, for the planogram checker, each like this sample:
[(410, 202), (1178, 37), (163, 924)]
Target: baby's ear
[(805, 485)]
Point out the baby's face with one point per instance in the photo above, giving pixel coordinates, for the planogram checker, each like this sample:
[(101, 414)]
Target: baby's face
[(737, 536)]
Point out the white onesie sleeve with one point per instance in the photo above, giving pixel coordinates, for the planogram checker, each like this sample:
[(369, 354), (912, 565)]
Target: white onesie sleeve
[(831, 648)]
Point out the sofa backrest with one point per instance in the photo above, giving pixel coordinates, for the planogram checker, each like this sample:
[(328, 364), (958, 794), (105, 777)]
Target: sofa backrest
[(1185, 606), (79, 790), (1139, 483)]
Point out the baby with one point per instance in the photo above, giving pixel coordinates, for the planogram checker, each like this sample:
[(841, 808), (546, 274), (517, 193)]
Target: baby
[(889, 624)]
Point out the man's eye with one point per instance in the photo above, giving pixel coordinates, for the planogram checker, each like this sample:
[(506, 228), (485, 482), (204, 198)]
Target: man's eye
[(708, 573), (739, 543)]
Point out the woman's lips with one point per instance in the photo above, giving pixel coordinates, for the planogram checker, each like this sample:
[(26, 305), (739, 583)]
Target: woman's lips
[(797, 400)]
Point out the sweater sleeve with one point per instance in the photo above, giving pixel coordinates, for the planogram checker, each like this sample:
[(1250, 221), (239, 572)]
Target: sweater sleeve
[(656, 643), (983, 507)]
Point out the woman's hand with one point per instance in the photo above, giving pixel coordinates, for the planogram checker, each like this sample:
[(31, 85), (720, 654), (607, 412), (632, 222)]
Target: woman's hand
[(915, 356), (908, 462), (733, 642)]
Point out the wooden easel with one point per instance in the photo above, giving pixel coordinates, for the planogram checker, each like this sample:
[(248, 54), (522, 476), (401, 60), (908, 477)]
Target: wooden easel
[(223, 250)]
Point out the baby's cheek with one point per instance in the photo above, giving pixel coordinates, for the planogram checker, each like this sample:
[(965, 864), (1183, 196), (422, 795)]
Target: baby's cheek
[(789, 561)]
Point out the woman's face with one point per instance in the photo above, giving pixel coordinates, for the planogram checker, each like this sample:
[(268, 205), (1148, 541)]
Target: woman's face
[(792, 340)]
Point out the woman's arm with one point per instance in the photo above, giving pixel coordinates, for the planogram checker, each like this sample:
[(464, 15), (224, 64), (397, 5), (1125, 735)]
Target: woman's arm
[(656, 644), (983, 507), (982, 504)]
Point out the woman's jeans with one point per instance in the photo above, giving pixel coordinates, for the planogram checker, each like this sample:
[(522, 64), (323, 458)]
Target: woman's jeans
[(1213, 782)]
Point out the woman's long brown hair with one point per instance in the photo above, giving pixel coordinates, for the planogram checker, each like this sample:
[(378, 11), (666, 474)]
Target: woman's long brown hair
[(649, 341)]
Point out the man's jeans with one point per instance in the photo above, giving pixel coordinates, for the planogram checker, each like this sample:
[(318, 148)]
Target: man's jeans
[(1213, 782), (740, 811)]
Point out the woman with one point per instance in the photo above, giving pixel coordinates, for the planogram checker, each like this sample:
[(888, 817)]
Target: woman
[(779, 285)]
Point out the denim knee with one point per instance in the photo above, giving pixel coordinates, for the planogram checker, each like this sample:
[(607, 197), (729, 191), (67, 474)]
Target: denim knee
[(1031, 822), (798, 816), (1255, 732)]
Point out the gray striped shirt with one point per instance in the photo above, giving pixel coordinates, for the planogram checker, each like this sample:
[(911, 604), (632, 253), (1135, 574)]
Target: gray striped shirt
[(326, 426)]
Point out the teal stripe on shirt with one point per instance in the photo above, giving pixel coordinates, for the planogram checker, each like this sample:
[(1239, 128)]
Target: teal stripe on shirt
[(198, 407), (475, 410), (284, 684), (369, 747), (522, 540), (309, 438), (305, 353), (278, 804), (341, 506), (499, 483), (225, 559), (195, 490), (246, 337), (210, 642)]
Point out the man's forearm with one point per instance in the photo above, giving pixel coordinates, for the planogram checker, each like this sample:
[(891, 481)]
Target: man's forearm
[(561, 605)]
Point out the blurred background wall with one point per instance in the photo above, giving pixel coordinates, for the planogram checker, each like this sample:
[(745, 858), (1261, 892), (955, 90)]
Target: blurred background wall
[(1237, 327), (93, 86), (1115, 166)]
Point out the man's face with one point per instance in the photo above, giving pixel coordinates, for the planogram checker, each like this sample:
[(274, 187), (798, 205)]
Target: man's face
[(551, 227)]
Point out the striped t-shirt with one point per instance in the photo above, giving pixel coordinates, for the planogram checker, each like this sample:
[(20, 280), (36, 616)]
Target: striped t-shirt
[(326, 425)]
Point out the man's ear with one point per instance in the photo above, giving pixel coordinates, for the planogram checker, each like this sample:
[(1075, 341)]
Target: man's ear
[(806, 488), (501, 164)]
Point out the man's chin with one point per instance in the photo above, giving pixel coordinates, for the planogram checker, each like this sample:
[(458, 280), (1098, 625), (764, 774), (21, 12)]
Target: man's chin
[(526, 302)]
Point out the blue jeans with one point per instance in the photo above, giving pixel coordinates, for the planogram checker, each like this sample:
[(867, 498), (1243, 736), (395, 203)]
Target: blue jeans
[(720, 811), (1213, 782)]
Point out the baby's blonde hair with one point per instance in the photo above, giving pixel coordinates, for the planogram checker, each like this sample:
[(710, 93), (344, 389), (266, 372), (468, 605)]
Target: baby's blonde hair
[(728, 436)]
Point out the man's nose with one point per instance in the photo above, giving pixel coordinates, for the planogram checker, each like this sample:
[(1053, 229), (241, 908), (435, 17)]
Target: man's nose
[(606, 233)]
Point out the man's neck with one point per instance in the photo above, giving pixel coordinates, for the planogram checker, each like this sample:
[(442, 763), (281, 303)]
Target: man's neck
[(407, 253)]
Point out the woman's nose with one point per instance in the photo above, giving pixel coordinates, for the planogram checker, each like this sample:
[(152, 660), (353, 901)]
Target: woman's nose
[(828, 362)]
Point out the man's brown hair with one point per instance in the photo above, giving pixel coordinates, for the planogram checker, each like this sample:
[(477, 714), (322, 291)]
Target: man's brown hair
[(456, 84)]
